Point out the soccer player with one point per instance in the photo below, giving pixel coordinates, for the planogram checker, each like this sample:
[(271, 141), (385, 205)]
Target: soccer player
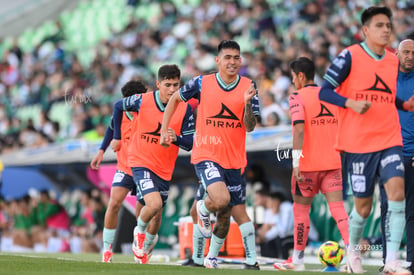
[(316, 163), (227, 107), (122, 182), (362, 80), (152, 165), (240, 217)]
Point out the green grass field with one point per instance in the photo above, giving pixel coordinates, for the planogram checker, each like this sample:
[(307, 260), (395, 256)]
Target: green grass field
[(48, 264)]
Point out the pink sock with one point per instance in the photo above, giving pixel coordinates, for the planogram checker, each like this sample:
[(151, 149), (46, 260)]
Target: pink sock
[(302, 225), (341, 218)]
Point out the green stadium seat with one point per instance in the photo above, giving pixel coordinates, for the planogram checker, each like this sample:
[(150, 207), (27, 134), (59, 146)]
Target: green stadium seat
[(245, 43), (192, 3), (148, 11), (141, 12), (62, 113), (86, 56), (180, 51), (29, 112)]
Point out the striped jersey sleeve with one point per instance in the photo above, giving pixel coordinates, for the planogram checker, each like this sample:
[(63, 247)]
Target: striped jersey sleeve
[(191, 89)]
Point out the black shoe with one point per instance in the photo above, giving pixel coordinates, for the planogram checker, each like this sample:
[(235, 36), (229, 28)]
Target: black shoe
[(411, 268), (381, 269), (251, 266), (190, 262)]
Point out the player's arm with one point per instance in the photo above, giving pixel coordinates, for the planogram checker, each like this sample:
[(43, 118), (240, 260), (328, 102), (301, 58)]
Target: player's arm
[(166, 134), (96, 161), (297, 112), (250, 107), (186, 137), (282, 226), (335, 75), (131, 103), (286, 219), (272, 233), (189, 90), (402, 105)]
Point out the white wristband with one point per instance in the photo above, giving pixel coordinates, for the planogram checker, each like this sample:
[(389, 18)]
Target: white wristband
[(296, 154)]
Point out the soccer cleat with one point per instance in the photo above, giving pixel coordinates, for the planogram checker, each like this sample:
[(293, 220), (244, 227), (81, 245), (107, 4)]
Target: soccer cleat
[(138, 245), (134, 244), (190, 262), (354, 262), (143, 260), (251, 266), (344, 269), (211, 262), (107, 255), (289, 265), (147, 253), (395, 268), (204, 222), (151, 248)]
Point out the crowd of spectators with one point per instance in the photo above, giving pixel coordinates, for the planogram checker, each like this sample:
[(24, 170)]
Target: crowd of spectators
[(38, 222), (271, 33), (73, 221)]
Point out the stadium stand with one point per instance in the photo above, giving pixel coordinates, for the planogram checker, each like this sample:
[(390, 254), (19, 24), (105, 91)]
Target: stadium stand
[(79, 58), (98, 45)]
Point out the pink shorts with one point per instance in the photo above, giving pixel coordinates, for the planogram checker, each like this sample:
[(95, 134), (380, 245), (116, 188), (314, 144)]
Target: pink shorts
[(325, 181)]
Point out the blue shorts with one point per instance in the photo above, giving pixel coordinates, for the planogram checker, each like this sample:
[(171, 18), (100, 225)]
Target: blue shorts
[(122, 179), (148, 182), (362, 170), (209, 172)]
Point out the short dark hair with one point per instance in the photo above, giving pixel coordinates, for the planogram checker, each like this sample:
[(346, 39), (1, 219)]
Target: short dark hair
[(133, 87), (168, 72), (304, 65), (370, 12), (25, 198), (263, 192), (278, 196), (228, 44), (44, 192)]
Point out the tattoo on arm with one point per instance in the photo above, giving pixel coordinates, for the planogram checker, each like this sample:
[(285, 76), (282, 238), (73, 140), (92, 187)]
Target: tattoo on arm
[(249, 120)]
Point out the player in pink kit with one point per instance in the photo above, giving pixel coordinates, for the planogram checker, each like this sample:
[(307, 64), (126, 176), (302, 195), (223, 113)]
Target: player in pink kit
[(316, 164)]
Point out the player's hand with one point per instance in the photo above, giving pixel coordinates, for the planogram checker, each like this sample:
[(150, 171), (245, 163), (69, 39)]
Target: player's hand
[(172, 135), (165, 140), (412, 163), (409, 104), (261, 235), (96, 161), (116, 145), (249, 93), (361, 107), (297, 175), (259, 240)]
